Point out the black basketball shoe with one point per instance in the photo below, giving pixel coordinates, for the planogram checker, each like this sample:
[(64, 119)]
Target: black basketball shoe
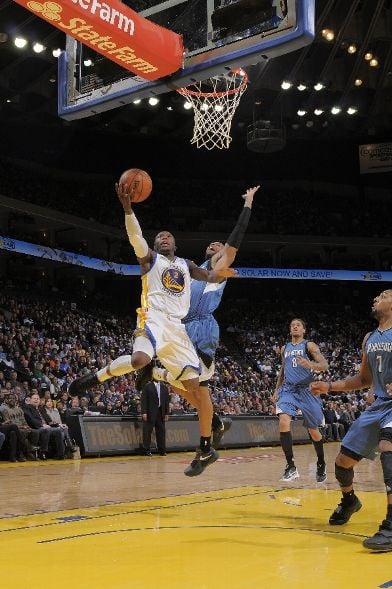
[(143, 376), (382, 540), (78, 387), (344, 511), (219, 431), (200, 462)]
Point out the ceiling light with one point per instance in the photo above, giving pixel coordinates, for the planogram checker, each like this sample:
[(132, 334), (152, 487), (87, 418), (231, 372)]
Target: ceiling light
[(187, 105), (373, 62), (328, 34), (335, 110), (352, 48), (318, 111), (20, 42), (301, 87), (319, 86), (358, 82), (38, 48), (56, 52), (3, 37), (286, 85), (301, 112), (153, 101), (309, 124), (137, 101), (87, 63), (8, 100), (218, 108), (368, 56), (352, 110)]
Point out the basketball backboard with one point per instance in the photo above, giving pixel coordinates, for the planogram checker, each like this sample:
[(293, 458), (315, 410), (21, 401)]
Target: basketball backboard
[(218, 35)]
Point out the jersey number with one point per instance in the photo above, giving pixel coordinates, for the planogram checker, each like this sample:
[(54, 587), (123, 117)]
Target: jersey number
[(294, 362), (379, 363)]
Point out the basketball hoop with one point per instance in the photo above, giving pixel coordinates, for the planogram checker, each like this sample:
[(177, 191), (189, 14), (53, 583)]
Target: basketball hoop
[(214, 103)]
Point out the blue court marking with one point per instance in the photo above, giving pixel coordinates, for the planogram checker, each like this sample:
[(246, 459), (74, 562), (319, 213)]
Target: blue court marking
[(209, 527), (72, 518), (386, 585)]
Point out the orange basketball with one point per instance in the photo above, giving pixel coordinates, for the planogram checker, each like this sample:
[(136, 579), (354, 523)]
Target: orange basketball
[(138, 182)]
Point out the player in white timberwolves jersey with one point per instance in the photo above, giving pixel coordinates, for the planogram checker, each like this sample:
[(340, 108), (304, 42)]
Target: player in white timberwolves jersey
[(165, 301), (373, 429), (299, 359), (200, 323)]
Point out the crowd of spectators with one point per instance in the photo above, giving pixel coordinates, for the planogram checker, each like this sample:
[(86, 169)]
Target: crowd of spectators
[(45, 345)]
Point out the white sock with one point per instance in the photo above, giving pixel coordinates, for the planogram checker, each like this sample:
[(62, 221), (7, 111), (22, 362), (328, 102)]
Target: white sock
[(118, 367)]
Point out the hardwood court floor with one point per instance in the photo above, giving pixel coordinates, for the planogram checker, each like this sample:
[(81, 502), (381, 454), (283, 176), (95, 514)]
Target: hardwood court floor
[(132, 522)]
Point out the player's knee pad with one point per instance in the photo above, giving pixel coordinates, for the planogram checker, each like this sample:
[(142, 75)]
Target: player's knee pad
[(344, 476), (386, 434), (386, 463)]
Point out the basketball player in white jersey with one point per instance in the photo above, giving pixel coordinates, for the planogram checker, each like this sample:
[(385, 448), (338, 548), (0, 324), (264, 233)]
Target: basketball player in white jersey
[(164, 302), (200, 323)]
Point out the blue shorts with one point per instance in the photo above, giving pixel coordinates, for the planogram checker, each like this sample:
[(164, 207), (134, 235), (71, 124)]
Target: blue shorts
[(363, 436), (294, 397), (204, 334)]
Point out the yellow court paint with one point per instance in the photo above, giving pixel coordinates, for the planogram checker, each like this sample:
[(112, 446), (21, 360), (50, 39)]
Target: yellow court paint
[(234, 538)]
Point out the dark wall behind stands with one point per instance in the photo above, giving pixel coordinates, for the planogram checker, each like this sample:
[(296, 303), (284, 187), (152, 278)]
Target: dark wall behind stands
[(78, 148)]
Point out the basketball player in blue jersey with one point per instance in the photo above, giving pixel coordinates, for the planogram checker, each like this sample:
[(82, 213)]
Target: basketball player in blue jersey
[(200, 323), (373, 429), (166, 281), (300, 358)]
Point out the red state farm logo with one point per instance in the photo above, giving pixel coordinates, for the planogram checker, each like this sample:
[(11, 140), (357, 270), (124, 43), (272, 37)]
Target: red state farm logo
[(49, 10)]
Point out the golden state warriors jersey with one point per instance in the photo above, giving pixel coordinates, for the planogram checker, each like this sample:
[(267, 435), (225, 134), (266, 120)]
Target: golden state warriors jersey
[(166, 286)]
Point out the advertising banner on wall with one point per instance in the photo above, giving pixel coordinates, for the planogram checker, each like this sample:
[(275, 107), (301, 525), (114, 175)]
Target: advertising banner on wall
[(375, 158)]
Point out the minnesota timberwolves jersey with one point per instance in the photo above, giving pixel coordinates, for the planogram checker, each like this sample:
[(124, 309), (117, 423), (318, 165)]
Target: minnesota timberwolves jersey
[(294, 374), (205, 297), (166, 286), (378, 350)]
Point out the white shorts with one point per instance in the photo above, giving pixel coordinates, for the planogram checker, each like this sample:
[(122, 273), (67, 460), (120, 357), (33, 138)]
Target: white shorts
[(167, 339), (205, 375)]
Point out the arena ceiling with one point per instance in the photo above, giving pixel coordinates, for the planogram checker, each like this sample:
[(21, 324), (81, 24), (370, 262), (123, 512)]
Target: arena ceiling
[(28, 81)]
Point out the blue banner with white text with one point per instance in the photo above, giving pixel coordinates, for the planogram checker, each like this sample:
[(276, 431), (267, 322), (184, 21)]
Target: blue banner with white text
[(47, 253)]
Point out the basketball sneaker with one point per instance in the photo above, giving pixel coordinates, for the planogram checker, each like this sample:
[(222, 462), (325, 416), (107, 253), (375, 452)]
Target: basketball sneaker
[(143, 376), (200, 462), (321, 473), (344, 511), (382, 540), (290, 474), (220, 430), (78, 387)]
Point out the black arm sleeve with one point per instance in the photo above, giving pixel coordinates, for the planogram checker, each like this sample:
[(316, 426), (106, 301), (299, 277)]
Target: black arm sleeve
[(236, 236)]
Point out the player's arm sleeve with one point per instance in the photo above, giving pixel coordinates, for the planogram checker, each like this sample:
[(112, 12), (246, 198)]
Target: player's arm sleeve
[(135, 236), (236, 236)]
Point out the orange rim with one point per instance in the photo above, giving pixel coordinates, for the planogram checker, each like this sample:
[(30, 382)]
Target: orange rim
[(187, 92)]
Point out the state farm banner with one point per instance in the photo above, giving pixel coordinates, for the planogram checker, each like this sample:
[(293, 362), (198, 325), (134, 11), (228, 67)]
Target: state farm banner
[(117, 32), (375, 157)]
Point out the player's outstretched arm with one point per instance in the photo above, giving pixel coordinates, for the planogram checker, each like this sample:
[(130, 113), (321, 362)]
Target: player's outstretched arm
[(362, 380), (226, 256), (135, 236), (210, 275)]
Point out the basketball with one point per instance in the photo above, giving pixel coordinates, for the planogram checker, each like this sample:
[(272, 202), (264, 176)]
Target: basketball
[(138, 182)]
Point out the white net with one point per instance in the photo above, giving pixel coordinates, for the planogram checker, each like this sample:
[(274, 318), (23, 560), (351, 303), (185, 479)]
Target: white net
[(214, 103)]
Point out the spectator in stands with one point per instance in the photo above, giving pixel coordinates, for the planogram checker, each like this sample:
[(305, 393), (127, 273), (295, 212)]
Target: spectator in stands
[(38, 419), (12, 413)]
